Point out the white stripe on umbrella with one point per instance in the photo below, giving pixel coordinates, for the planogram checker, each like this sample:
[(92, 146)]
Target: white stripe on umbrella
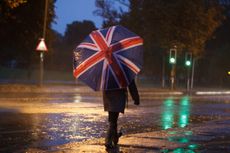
[(95, 62), (103, 38), (128, 63), (88, 46), (109, 35), (103, 75), (123, 49)]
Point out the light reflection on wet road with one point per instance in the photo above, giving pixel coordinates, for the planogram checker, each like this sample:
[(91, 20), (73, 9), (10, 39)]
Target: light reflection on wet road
[(21, 130)]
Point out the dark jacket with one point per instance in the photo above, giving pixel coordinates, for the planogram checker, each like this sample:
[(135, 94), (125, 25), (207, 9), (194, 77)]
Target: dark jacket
[(115, 100)]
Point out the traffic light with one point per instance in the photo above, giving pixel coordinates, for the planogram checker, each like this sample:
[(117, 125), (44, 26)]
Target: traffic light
[(188, 59), (172, 56)]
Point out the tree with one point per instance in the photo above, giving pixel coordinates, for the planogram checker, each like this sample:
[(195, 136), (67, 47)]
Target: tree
[(164, 24), (105, 9), (7, 5), (13, 3), (21, 28), (187, 24), (217, 54), (64, 46), (77, 31)]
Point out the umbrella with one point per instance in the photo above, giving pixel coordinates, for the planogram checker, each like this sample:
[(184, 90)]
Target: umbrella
[(108, 58)]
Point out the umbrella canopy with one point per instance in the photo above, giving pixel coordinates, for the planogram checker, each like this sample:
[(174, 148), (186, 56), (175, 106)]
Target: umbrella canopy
[(108, 58)]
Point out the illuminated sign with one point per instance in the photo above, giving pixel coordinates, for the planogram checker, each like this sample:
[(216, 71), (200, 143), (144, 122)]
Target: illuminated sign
[(42, 46)]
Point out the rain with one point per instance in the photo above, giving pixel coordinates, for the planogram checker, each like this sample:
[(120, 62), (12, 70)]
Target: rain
[(65, 65)]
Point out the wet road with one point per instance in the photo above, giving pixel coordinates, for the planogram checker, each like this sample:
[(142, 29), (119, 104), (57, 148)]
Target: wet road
[(54, 115)]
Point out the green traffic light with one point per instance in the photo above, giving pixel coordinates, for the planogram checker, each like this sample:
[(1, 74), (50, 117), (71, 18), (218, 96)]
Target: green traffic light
[(172, 56), (188, 59), (188, 63), (172, 60)]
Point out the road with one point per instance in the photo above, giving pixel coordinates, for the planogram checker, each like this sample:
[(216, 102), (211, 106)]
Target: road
[(53, 115)]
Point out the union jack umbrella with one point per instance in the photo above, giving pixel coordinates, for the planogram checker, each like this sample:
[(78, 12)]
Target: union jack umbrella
[(108, 58)]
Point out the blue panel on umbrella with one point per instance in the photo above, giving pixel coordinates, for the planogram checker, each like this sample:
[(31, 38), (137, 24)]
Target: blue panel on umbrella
[(88, 39), (113, 85), (79, 57), (121, 33), (104, 32), (130, 75), (90, 77), (132, 53)]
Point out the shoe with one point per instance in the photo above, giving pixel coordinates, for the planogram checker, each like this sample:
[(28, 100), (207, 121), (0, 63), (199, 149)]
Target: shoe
[(109, 139), (116, 137), (109, 146)]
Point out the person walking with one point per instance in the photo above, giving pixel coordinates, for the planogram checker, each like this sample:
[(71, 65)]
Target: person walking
[(114, 103), (106, 60)]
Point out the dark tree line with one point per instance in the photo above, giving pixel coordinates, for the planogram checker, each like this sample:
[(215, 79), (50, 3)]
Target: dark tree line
[(192, 26), (216, 61), (197, 26), (64, 45), (21, 26)]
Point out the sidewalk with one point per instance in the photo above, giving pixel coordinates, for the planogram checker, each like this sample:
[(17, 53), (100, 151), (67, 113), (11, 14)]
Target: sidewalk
[(206, 137)]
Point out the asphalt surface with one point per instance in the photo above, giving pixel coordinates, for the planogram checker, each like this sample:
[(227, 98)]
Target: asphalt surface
[(60, 118)]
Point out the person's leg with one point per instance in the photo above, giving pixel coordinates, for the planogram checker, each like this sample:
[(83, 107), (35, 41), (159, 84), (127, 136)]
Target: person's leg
[(113, 117), (112, 130), (113, 122)]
